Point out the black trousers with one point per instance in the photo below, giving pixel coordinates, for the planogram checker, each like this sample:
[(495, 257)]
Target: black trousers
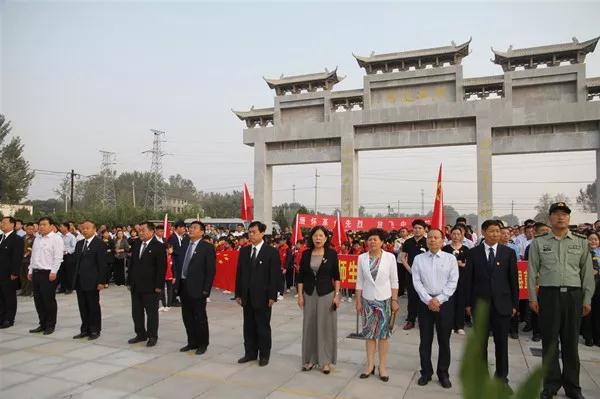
[(459, 305), (523, 315), (145, 305), (560, 318), (118, 273), (44, 297), (195, 320), (8, 300), (167, 294), (89, 310), (402, 273), (66, 273), (413, 304), (590, 325), (257, 331), (442, 323), (500, 326)]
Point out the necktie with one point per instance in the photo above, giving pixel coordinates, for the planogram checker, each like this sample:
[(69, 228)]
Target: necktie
[(143, 249), (253, 256), (1, 238), (186, 260), (491, 259), (85, 246)]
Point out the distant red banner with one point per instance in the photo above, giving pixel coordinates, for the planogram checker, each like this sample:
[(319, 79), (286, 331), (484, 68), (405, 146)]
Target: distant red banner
[(226, 270), (522, 276), (358, 223)]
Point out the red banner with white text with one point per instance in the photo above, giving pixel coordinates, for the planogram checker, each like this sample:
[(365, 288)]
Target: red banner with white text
[(358, 223), (522, 278)]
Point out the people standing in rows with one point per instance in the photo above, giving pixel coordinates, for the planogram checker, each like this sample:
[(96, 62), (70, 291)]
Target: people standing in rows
[(193, 282), (46, 257), (492, 279), (319, 298), (67, 268), (121, 250), (590, 324), (110, 254), (461, 253), (26, 285), (402, 273), (168, 293), (90, 278), (11, 257), (435, 277), (412, 247), (146, 280), (566, 285), (257, 280), (376, 300)]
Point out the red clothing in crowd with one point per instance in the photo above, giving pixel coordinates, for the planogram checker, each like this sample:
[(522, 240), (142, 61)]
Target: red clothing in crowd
[(283, 254), (298, 257), (169, 272)]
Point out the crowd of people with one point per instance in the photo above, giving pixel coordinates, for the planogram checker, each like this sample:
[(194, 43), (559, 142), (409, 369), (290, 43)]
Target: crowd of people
[(445, 276)]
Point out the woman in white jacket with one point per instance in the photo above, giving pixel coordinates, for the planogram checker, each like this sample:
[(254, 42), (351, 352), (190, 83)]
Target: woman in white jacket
[(376, 300)]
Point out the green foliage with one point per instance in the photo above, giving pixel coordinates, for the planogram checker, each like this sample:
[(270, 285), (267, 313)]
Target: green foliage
[(15, 173), (544, 203), (474, 373), (587, 197)]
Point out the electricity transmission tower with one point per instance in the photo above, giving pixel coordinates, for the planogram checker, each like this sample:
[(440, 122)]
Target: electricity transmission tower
[(106, 190), (155, 192)]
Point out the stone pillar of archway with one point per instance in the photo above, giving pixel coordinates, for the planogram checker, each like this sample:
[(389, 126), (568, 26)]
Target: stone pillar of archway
[(484, 169), (349, 172), (263, 186)]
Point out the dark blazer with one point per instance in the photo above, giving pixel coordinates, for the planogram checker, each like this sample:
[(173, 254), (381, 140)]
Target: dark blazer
[(328, 273), (258, 282), (11, 256), (178, 250), (500, 287), (201, 270), (91, 265), (148, 272)]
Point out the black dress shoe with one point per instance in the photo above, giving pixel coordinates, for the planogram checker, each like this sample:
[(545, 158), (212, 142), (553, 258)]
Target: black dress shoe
[(37, 330), (589, 342), (536, 338), (187, 348), (136, 339), (7, 324), (547, 395), (263, 362), (423, 380), (366, 375), (527, 328), (201, 350), (575, 395), (93, 336), (48, 331), (514, 335), (246, 359), (80, 335), (151, 341), (445, 382)]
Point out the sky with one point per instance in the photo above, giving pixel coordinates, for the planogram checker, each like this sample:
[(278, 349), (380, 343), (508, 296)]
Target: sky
[(80, 77)]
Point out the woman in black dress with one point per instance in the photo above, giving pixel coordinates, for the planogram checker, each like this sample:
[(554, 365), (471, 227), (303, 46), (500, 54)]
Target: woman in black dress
[(461, 252)]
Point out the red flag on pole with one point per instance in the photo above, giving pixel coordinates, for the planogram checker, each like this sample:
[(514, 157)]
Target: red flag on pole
[(438, 221), (296, 231), (246, 213), (167, 230), (336, 238)]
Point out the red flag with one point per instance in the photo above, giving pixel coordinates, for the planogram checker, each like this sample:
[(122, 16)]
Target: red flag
[(438, 220), (296, 231), (167, 231), (336, 238), (246, 213)]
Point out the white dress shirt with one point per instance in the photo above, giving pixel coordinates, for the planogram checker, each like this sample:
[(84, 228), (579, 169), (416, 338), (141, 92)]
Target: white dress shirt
[(143, 247), (4, 236), (47, 253), (435, 276), (487, 250), (387, 277), (69, 242), (258, 247)]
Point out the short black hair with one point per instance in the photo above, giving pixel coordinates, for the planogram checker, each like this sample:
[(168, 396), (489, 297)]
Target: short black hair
[(311, 244), (199, 223), (66, 224), (11, 219), (459, 228), (179, 223), (531, 226), (489, 223), (539, 225), (419, 222), (377, 232), (160, 227), (47, 219), (149, 225), (261, 226), (19, 221), (529, 221), (30, 224), (461, 219)]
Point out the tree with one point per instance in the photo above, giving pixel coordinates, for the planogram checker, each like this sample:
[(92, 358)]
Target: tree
[(587, 198), (15, 173), (544, 205), (509, 219)]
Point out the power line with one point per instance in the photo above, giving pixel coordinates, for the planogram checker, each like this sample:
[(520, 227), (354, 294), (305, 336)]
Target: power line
[(106, 191)]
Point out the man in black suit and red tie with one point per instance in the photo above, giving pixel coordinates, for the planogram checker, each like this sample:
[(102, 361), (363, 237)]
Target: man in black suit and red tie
[(90, 277), (146, 281), (193, 281), (11, 256), (492, 277), (257, 280)]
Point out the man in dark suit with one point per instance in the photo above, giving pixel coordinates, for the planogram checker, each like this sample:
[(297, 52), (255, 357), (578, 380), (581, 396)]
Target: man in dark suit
[(11, 256), (193, 281), (90, 277), (492, 277), (178, 240), (146, 281), (257, 280)]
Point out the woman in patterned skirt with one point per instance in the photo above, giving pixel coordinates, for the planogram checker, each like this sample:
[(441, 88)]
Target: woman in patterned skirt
[(376, 300)]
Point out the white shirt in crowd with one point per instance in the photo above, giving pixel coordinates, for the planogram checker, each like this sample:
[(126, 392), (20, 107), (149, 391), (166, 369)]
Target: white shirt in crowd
[(21, 233), (258, 247), (387, 277), (487, 250), (435, 276), (69, 242), (47, 253), (4, 236)]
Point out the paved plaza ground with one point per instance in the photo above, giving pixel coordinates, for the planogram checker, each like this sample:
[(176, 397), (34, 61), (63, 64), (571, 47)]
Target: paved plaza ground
[(38, 366)]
